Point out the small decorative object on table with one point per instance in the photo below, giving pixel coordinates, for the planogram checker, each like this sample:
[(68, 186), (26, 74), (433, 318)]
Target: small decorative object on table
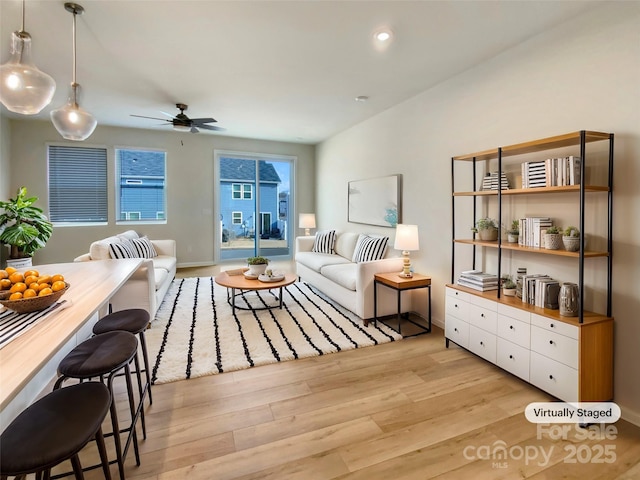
[(257, 266), (508, 286), (270, 276), (487, 229), (568, 299), (571, 239), (553, 238)]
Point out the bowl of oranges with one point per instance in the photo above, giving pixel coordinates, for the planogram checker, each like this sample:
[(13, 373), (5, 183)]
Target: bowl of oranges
[(29, 291)]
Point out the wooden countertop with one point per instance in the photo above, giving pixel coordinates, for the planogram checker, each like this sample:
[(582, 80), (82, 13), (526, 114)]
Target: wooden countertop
[(92, 285)]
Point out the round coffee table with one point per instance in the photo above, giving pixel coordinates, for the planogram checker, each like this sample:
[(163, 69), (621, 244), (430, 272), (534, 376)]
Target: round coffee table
[(240, 282)]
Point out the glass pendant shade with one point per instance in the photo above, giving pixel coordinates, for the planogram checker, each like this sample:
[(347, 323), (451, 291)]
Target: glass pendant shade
[(71, 121), (23, 87)]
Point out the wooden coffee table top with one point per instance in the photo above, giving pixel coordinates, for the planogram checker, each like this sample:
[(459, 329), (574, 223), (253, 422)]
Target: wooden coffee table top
[(243, 283)]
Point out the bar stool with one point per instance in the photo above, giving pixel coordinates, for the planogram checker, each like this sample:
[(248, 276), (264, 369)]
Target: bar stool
[(54, 429), (100, 356), (135, 321)]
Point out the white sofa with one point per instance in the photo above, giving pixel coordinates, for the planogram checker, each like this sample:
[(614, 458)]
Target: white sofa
[(148, 285), (348, 283)]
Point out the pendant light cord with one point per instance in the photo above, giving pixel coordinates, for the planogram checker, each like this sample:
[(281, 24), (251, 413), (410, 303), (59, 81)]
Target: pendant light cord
[(22, 27), (74, 49)]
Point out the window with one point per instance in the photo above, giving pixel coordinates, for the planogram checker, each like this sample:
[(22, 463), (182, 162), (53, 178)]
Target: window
[(140, 185), (77, 184), (242, 191), (236, 218)]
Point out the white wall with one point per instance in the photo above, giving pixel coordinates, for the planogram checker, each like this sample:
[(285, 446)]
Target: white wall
[(190, 181), (5, 168), (582, 75)]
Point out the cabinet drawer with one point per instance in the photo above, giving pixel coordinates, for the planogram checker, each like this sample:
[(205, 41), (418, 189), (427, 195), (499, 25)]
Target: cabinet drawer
[(513, 358), (518, 314), (452, 292), (457, 308), (555, 326), (456, 330), (483, 303), (555, 346), (483, 318), (554, 377), (514, 330), (482, 343)]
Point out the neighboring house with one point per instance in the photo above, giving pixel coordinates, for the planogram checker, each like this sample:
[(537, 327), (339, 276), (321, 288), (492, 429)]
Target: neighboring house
[(238, 199), (142, 185)]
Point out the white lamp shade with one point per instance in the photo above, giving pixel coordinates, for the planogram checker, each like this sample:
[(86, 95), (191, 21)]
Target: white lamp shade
[(307, 220), (406, 237), (71, 121), (23, 87)]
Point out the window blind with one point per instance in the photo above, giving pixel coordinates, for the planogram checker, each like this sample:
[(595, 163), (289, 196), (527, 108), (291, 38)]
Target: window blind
[(77, 184)]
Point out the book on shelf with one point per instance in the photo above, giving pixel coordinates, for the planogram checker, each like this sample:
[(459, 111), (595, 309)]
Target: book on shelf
[(491, 181), (563, 171), (531, 231), (478, 280)]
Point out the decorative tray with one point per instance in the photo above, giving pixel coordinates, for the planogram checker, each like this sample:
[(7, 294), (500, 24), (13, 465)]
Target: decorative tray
[(270, 279), (249, 276)]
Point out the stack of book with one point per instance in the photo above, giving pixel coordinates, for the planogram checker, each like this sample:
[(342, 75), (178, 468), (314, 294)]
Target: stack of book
[(490, 181), (534, 174), (532, 231), (562, 171), (478, 280), (540, 290)]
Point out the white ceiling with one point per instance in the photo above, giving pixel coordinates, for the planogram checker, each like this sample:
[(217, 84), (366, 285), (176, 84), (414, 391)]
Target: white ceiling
[(286, 70)]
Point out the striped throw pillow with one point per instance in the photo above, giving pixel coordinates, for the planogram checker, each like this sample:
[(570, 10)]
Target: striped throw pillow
[(143, 247), (121, 250), (369, 248), (324, 242)]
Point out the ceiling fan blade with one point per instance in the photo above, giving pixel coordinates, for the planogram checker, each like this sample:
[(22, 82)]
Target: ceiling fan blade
[(194, 130), (151, 118), (212, 127), (167, 114), (203, 120)]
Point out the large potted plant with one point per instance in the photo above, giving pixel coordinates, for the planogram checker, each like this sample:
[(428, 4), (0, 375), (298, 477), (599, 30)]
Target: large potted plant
[(23, 227)]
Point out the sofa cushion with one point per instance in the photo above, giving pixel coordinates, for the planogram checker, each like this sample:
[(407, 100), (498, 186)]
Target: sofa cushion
[(164, 262), (324, 242), (315, 261), (344, 275), (128, 235), (370, 248), (143, 247), (99, 249), (346, 244), (160, 275)]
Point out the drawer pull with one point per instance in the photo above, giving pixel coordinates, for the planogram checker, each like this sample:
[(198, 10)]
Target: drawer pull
[(482, 315), (482, 343), (455, 329), (551, 325), (511, 357), (550, 377), (511, 327), (550, 342), (455, 305)]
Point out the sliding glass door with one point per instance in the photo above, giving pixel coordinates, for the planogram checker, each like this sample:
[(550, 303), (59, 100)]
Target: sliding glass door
[(254, 195)]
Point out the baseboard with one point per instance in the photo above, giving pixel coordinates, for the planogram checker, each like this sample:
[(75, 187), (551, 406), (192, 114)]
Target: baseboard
[(630, 415), (195, 264)]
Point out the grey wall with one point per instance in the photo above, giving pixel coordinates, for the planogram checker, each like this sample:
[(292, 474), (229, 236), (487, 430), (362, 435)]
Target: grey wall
[(582, 75)]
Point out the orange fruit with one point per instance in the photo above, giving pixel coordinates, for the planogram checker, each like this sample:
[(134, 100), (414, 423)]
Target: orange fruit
[(3, 274), (10, 270), (57, 286), (44, 279), (45, 291), (30, 279), (16, 277), (15, 296), (29, 293), (57, 278), (5, 284), (18, 287), (28, 273)]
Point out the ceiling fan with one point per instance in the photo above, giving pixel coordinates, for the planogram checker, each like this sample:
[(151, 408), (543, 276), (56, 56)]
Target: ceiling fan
[(185, 124)]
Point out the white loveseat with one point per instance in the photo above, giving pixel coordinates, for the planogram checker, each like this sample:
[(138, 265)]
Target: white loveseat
[(345, 281), (148, 285)]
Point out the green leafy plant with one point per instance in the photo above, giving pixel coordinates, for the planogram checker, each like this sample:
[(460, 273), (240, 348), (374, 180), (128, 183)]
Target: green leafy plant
[(515, 228), (553, 230), (485, 224), (23, 226), (257, 261), (571, 232), (507, 282)]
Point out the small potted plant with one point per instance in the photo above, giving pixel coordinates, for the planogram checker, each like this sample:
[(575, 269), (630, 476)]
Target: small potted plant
[(571, 239), (257, 265), (508, 286), (513, 232), (487, 229), (23, 227), (553, 238)]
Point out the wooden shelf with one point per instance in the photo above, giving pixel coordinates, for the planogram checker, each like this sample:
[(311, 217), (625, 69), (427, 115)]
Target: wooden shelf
[(533, 191), (559, 141), (520, 248)]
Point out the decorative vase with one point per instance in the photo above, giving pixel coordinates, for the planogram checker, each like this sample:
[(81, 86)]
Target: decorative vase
[(488, 234), (571, 244), (512, 237), (568, 299), (552, 241), (509, 292), (257, 270)]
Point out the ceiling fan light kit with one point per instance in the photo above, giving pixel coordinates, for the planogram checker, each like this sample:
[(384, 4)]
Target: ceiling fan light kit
[(71, 121), (25, 89)]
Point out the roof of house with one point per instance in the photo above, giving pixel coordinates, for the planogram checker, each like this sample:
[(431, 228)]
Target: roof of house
[(140, 163), (236, 169)]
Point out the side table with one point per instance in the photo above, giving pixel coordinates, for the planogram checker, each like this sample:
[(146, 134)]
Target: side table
[(401, 284)]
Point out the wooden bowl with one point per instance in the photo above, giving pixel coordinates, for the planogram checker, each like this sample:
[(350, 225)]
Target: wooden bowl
[(28, 305)]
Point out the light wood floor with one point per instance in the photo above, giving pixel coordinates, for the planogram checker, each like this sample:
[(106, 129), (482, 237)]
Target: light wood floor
[(404, 410)]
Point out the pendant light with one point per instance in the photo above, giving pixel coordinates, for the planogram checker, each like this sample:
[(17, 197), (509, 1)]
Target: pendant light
[(71, 121), (23, 87)]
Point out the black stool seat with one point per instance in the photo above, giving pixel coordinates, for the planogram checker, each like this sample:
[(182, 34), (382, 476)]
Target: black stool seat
[(99, 355), (54, 429), (133, 320)]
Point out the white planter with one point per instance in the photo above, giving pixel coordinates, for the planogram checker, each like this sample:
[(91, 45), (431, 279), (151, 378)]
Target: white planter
[(512, 237), (553, 241), (20, 263), (256, 270), (509, 292)]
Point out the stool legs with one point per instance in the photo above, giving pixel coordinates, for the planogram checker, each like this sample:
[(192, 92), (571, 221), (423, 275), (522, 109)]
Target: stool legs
[(145, 356)]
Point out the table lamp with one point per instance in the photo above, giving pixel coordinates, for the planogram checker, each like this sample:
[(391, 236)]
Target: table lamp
[(406, 240), (307, 221)]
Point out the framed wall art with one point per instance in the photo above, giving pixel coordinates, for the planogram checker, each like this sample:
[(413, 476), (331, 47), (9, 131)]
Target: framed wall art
[(376, 201)]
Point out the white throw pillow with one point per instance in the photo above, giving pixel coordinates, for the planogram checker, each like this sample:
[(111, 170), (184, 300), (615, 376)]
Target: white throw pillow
[(122, 249), (143, 247), (369, 248), (324, 242)]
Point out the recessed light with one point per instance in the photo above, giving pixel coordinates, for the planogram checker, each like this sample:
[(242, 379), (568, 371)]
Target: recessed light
[(383, 35), (361, 98)]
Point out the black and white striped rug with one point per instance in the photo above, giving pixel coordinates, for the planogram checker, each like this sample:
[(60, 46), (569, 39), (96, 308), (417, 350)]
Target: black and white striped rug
[(196, 334)]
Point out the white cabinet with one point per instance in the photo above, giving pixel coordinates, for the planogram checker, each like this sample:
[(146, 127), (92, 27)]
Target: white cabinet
[(513, 358)]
